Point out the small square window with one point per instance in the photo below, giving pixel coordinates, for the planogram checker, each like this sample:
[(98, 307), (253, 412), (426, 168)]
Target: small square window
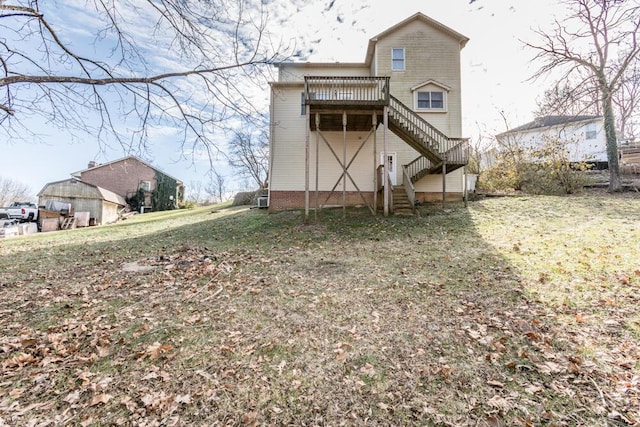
[(145, 186), (397, 59)]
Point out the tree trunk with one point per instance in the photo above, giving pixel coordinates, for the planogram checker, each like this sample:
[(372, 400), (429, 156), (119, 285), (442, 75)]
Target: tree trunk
[(615, 184)]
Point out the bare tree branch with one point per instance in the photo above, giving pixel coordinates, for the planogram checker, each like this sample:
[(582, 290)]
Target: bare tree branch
[(188, 65), (598, 43)]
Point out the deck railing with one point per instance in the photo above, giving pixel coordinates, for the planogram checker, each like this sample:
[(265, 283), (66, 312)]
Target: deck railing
[(457, 150), (363, 91)]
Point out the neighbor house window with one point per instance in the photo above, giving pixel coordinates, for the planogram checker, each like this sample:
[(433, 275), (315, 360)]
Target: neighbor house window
[(145, 185), (430, 100), (590, 131), (397, 59)]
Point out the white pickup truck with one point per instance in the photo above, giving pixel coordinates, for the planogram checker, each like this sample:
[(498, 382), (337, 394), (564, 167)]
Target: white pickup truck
[(23, 211)]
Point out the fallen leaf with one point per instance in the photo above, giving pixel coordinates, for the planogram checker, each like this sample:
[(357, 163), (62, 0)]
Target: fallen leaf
[(16, 392), (383, 406), (533, 389), (368, 369), (72, 397), (250, 418), (341, 355), (499, 402), (157, 350), (183, 398), (100, 398)]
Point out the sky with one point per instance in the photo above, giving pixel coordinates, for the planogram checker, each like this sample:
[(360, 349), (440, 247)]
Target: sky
[(496, 68)]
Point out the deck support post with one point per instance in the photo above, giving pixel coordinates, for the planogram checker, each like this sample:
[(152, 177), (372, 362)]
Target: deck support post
[(444, 182), (385, 174), (306, 163), (315, 213), (344, 164), (374, 124), (466, 190)]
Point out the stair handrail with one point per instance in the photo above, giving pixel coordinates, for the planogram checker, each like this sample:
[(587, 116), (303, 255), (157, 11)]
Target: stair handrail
[(408, 185), (418, 165), (390, 184), (445, 144)]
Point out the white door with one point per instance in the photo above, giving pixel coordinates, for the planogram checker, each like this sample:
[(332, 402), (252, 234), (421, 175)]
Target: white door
[(392, 166)]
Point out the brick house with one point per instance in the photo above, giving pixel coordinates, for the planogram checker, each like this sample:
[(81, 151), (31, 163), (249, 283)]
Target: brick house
[(135, 180)]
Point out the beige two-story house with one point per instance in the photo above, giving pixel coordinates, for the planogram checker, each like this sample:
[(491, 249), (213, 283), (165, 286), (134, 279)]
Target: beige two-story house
[(383, 133)]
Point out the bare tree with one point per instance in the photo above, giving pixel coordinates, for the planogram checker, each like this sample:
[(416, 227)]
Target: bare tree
[(249, 154), (596, 44), (217, 187), (13, 191), (195, 191), (565, 98), (187, 65), (627, 101)]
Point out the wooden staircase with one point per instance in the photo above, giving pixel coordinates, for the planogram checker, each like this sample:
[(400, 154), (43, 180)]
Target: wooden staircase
[(437, 150), (439, 154), (401, 203)]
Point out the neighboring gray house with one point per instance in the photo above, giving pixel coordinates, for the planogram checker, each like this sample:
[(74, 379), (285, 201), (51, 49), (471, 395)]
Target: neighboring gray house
[(102, 205)]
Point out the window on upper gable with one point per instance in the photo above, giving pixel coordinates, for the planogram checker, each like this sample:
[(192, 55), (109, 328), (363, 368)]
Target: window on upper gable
[(145, 186), (590, 131), (431, 100), (397, 59)]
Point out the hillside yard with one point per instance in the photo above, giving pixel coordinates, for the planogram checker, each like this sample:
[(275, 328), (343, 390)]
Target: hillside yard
[(518, 311)]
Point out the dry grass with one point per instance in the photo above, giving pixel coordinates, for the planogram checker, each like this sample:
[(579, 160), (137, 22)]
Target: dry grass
[(515, 311)]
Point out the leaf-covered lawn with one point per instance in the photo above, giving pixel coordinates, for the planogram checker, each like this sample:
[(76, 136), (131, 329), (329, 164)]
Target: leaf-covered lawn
[(513, 311)]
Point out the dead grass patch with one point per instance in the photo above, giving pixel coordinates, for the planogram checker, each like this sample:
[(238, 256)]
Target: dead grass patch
[(518, 311)]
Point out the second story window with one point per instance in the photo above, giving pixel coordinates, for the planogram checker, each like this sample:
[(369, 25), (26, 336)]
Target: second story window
[(397, 59), (145, 186), (430, 100), (590, 131)]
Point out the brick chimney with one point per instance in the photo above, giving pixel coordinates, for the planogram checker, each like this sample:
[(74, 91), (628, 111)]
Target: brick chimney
[(92, 164)]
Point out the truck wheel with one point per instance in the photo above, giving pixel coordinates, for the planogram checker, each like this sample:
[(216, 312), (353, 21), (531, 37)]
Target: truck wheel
[(30, 217)]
